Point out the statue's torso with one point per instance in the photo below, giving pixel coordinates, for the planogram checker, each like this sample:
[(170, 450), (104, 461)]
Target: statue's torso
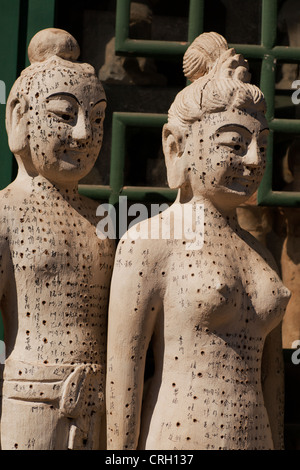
[(57, 280), (219, 303)]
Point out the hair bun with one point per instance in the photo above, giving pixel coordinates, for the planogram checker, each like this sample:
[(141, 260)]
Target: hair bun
[(50, 42), (202, 54)]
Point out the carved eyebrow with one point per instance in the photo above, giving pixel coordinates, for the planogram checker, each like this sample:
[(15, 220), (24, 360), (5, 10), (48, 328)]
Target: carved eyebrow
[(63, 93), (230, 126), (70, 95), (101, 101)]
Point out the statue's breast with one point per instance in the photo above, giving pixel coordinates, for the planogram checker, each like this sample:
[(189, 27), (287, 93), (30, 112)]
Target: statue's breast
[(224, 292)]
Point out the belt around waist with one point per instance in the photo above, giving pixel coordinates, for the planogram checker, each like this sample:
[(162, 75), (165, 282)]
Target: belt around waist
[(66, 383)]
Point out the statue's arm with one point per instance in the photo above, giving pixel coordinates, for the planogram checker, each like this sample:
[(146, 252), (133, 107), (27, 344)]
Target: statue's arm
[(272, 370), (132, 315), (4, 257)]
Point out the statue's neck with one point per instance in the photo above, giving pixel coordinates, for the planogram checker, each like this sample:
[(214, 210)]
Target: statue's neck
[(226, 215), (30, 180)]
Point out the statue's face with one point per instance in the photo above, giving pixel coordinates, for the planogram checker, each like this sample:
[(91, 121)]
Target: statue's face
[(65, 123), (229, 155)]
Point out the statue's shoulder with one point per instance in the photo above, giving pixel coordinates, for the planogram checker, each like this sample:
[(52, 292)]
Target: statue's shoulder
[(7, 202), (143, 242), (11, 196), (14, 203), (6, 213)]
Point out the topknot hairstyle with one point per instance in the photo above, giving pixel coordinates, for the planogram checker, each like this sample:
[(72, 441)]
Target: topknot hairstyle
[(53, 42), (52, 47), (220, 80)]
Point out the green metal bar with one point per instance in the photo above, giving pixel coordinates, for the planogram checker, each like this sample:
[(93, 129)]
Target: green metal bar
[(286, 53), (266, 196), (250, 51), (138, 193), (258, 52), (41, 15), (267, 83), (280, 198), (290, 126), (9, 40), (120, 122), (149, 48), (97, 192), (196, 19), (117, 158), (142, 119), (122, 24), (269, 23)]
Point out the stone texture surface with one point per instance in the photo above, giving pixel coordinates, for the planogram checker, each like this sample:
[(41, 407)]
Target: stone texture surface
[(212, 313)]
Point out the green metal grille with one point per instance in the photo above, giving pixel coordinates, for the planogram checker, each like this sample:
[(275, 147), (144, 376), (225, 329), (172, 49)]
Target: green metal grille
[(116, 188), (267, 52)]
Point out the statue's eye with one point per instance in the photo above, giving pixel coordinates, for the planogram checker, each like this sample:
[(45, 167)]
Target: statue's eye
[(98, 121), (60, 115), (237, 147)]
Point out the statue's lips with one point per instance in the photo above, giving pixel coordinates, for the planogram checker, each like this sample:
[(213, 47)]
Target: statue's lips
[(244, 180), (72, 155), (241, 183)]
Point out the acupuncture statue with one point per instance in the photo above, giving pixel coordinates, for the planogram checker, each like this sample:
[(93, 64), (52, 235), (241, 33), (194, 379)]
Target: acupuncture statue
[(210, 309), (55, 271)]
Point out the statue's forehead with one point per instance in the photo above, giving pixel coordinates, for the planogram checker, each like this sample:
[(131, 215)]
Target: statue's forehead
[(61, 80), (234, 117), (61, 73)]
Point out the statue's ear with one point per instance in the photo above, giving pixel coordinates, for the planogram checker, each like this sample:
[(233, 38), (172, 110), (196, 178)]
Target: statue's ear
[(17, 124), (173, 146)]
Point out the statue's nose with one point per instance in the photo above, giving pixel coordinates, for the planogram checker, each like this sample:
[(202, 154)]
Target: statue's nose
[(82, 130), (253, 158)]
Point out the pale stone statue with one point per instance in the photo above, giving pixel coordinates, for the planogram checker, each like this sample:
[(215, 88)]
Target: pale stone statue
[(55, 271), (212, 311)]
